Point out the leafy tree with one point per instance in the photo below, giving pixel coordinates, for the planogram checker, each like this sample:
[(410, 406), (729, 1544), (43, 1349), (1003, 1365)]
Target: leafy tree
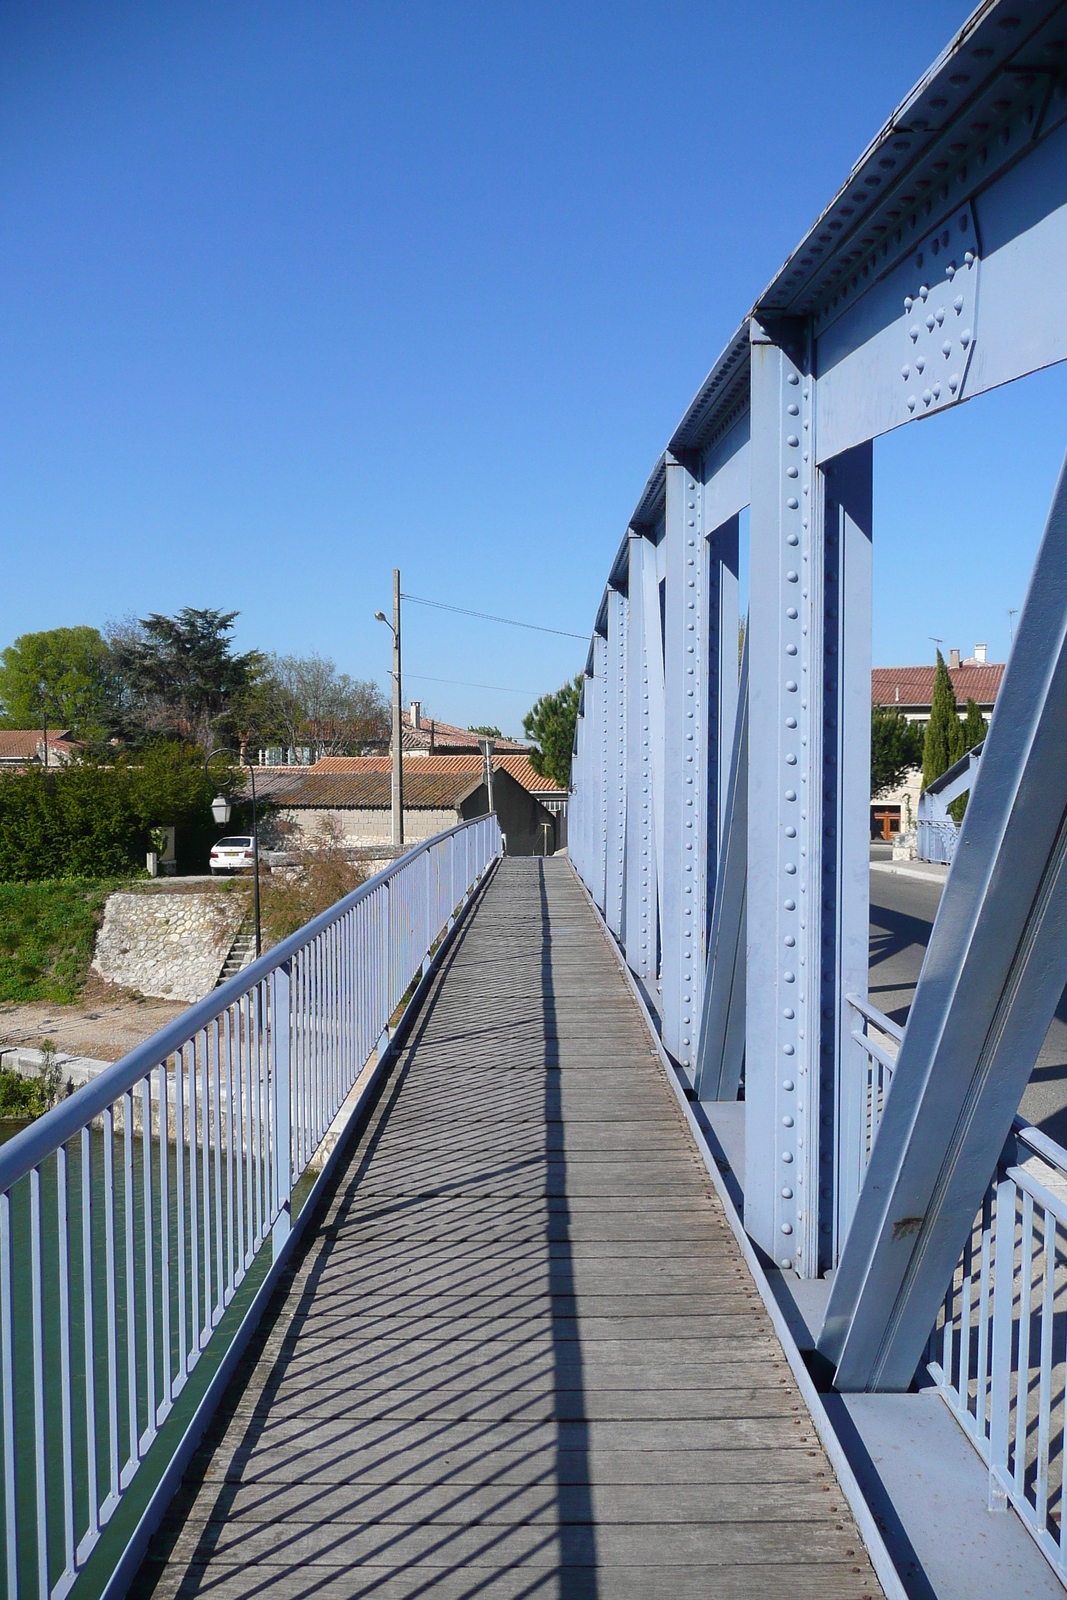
[(487, 732), (63, 676), (181, 678), (896, 749), (304, 700), (975, 726), (943, 744), (551, 726)]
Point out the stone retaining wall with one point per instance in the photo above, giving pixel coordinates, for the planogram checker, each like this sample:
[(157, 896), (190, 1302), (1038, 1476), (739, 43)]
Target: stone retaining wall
[(168, 946)]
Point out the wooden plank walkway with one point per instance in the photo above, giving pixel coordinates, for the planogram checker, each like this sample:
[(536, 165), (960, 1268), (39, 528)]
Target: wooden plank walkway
[(522, 1355)]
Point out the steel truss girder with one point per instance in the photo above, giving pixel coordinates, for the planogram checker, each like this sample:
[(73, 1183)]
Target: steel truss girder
[(722, 1028), (684, 788), (809, 643), (994, 970), (615, 765), (641, 876)]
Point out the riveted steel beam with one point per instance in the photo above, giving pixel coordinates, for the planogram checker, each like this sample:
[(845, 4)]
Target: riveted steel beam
[(615, 766), (805, 828), (994, 970), (641, 890), (685, 768)]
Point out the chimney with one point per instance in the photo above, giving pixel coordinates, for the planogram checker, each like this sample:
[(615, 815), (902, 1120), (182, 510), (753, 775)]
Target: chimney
[(953, 660), (979, 654), (897, 702), (416, 711)]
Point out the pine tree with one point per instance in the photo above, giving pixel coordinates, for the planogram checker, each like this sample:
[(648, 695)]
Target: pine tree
[(943, 743), (975, 726)]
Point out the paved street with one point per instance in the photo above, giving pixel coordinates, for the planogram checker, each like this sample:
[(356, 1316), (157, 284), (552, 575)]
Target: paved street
[(902, 914)]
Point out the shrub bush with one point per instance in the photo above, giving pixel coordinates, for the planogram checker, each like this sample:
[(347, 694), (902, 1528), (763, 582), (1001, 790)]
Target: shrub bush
[(90, 821)]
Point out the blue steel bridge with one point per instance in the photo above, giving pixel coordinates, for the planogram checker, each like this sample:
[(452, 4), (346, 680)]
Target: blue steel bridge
[(577, 1227)]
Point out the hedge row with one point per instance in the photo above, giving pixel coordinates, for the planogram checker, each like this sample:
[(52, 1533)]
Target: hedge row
[(86, 821)]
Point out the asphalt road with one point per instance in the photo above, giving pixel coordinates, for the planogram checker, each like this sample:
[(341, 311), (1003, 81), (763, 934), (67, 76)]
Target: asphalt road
[(902, 914)]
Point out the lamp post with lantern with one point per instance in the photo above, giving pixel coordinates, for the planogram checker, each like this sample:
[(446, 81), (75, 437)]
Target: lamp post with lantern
[(220, 810)]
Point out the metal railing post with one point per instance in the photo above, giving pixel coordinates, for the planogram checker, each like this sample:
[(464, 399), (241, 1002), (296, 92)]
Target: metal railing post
[(281, 1102)]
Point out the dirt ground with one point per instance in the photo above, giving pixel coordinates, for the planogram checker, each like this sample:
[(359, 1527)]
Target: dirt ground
[(106, 1023)]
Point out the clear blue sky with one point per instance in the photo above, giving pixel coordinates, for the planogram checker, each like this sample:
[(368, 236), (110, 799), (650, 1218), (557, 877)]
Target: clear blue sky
[(295, 292)]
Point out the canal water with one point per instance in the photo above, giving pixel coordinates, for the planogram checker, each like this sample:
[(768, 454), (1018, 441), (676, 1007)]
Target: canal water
[(122, 1372)]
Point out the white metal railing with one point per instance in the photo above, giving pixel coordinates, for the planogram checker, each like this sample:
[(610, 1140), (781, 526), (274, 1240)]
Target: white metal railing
[(936, 839), (133, 1214), (998, 1353), (880, 1057)]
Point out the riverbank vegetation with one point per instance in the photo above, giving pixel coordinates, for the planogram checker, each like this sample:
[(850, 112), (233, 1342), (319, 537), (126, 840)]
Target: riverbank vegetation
[(47, 931)]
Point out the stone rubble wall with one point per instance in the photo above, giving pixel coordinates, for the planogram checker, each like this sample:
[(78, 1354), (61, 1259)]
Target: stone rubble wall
[(167, 946)]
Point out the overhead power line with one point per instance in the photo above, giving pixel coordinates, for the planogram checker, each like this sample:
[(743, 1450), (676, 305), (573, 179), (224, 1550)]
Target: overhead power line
[(420, 677), (486, 616)]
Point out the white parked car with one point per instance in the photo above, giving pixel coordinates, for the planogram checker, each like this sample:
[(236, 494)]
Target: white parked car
[(233, 855)]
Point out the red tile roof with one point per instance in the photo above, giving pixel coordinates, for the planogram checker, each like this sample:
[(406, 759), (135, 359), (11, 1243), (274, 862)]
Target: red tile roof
[(446, 737), (517, 766), (370, 790), (913, 687), (20, 744)]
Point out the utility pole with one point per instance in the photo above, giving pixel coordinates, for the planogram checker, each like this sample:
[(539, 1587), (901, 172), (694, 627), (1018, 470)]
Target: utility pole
[(398, 721)]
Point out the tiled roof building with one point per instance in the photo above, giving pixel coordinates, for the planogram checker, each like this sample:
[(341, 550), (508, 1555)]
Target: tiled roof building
[(911, 688)]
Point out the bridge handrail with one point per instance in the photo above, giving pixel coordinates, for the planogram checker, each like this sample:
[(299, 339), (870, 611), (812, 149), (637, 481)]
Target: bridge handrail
[(63, 1121), (132, 1213), (992, 1353), (993, 1341)]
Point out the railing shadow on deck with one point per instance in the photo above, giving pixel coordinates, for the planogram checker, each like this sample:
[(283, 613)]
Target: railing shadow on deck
[(577, 1532)]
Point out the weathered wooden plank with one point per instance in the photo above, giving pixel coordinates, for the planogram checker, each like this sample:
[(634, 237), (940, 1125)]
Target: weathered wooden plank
[(814, 1581)]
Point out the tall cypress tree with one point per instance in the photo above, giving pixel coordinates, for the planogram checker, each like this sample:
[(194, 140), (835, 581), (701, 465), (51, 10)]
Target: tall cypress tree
[(975, 726), (943, 743)]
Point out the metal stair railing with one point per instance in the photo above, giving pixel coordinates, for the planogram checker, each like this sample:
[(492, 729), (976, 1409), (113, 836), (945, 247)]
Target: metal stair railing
[(144, 1221)]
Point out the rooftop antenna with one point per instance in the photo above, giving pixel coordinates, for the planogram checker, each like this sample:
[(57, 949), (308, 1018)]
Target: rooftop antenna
[(934, 640), (1011, 625)]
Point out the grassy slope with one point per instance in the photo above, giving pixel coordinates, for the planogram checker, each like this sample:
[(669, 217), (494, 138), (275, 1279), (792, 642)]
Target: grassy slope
[(46, 938)]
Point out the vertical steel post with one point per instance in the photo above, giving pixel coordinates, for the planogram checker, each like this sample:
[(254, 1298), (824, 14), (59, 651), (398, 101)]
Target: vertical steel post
[(280, 1101), (640, 912), (809, 651), (615, 766), (685, 766), (596, 737)]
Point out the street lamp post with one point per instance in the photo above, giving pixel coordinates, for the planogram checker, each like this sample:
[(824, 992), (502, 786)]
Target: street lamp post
[(398, 763), (220, 810)]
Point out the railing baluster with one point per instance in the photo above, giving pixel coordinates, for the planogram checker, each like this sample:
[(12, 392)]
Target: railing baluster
[(216, 1125), (1048, 1285), (204, 1038), (7, 1370), (164, 1236), (63, 1263), (1022, 1390), (92, 1532), (37, 1339), (981, 1376), (112, 1313), (131, 1287), (228, 1029), (179, 1185), (149, 1265), (194, 1213)]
